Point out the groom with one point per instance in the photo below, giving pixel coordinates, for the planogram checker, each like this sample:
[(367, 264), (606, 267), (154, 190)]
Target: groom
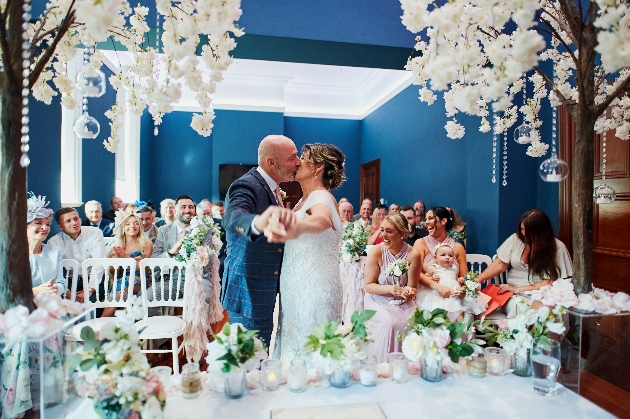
[(252, 267)]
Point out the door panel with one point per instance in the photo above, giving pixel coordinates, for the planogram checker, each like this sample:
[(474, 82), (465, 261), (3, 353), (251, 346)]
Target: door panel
[(371, 180)]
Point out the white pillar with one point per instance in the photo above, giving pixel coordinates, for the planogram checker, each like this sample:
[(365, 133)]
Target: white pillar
[(128, 155), (71, 146)]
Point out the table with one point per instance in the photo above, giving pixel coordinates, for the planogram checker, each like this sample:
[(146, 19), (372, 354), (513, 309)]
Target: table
[(466, 397)]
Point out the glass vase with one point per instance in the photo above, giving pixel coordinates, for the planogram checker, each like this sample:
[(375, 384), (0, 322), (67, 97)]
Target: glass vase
[(191, 381), (432, 370), (522, 364), (298, 376), (235, 383), (340, 378)]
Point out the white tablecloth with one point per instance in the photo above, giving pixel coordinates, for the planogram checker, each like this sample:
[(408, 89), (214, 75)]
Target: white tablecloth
[(466, 397)]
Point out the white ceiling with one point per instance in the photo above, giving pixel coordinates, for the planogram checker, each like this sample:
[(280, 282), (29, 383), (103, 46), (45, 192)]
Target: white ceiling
[(295, 89)]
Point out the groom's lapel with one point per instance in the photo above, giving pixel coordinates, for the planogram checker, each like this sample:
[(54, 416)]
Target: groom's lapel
[(270, 194)]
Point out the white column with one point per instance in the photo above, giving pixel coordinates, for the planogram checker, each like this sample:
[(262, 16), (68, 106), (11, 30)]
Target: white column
[(71, 146), (128, 155)]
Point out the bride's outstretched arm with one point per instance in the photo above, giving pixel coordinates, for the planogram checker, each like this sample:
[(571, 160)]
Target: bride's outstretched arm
[(320, 220)]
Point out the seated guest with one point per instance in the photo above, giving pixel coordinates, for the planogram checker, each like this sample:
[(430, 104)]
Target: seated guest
[(438, 221), (117, 204), (131, 208), (146, 216), (365, 213), (380, 212), (130, 243), (536, 256), (167, 212), (94, 215), (346, 211), (218, 209), (392, 299), (394, 209), (418, 233), (77, 242), (204, 209), (45, 259), (458, 232), (420, 209), (342, 200)]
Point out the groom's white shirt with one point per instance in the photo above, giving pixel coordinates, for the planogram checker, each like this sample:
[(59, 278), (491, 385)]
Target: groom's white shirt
[(272, 185)]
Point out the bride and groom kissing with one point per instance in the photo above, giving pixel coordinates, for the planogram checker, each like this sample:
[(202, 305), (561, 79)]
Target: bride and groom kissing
[(271, 248)]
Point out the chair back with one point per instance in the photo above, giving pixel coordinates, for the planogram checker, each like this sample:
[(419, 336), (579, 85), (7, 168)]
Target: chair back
[(108, 272), (501, 278), (71, 272), (475, 262), (166, 277)]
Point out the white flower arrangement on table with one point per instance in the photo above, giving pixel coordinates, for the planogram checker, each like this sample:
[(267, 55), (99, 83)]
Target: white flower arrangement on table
[(529, 326), (353, 241), (471, 284), (112, 370), (235, 346), (432, 336), (193, 250), (336, 346)]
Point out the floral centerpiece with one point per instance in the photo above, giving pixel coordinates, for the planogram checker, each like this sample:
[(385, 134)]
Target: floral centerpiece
[(336, 348), (432, 337), (471, 284), (112, 370), (197, 251), (353, 241)]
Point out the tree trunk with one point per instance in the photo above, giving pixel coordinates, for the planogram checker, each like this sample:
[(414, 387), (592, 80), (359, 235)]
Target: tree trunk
[(15, 270)]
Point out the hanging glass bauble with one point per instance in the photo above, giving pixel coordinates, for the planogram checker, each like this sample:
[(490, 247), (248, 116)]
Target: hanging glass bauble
[(553, 169), (87, 127), (92, 85), (604, 194), (522, 134)]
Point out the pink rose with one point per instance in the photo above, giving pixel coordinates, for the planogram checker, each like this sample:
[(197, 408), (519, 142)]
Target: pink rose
[(442, 338)]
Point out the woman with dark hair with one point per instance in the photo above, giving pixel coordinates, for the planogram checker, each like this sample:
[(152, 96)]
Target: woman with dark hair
[(439, 221), (536, 256)]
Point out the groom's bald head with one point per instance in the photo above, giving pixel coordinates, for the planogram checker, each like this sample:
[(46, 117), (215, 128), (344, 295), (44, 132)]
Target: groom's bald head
[(277, 155)]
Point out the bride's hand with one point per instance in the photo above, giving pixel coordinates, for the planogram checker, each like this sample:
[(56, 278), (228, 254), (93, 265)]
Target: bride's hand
[(283, 216), (281, 226)]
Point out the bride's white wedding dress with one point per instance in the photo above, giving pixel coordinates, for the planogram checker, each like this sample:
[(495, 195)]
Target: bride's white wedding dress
[(310, 288)]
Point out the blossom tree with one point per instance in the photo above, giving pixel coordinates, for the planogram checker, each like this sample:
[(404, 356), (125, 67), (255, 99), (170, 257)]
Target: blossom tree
[(480, 51), (35, 56)]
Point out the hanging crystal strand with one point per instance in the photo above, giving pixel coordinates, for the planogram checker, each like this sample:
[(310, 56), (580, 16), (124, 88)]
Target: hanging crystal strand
[(604, 157), (494, 148), (554, 129), (522, 133), (26, 63), (505, 141), (157, 52), (604, 194), (86, 60), (553, 169)]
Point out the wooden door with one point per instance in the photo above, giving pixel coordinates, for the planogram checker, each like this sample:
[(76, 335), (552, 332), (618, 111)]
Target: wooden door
[(370, 183), (611, 222)]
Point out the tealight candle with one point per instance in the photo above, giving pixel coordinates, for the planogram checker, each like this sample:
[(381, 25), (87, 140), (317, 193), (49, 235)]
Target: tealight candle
[(398, 364), (271, 374), (477, 366), (298, 376), (495, 358), (368, 373)]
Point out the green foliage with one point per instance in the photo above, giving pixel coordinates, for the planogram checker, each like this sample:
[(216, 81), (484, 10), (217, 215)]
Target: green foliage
[(326, 339), (238, 354)]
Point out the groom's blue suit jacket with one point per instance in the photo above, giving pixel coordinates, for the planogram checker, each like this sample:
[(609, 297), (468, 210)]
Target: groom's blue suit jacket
[(252, 266)]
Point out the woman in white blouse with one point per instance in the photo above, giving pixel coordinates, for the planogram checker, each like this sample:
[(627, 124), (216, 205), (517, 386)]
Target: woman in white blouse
[(46, 260), (536, 256)]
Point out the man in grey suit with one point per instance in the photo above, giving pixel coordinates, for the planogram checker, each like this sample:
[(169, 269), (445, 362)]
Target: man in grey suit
[(170, 237)]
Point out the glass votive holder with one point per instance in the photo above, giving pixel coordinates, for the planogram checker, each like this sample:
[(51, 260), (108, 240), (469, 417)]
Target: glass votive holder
[(191, 381), (495, 360), (271, 374), (298, 375), (398, 364), (164, 374), (368, 372), (477, 366)]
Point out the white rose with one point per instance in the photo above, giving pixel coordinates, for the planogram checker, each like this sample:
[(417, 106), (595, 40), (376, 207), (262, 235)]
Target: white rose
[(556, 327), (215, 351), (354, 348), (152, 409), (413, 347), (441, 337), (343, 329)]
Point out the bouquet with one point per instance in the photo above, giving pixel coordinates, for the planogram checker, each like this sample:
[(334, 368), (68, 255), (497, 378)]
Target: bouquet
[(529, 326), (397, 269), (112, 370), (432, 336), (353, 241), (193, 250), (471, 284), (235, 346), (337, 346)]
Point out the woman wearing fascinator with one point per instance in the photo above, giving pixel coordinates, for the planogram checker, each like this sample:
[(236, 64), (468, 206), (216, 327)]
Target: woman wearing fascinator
[(129, 242), (46, 260)]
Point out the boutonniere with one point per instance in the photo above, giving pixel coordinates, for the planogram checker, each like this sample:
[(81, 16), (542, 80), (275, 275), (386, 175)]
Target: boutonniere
[(283, 194)]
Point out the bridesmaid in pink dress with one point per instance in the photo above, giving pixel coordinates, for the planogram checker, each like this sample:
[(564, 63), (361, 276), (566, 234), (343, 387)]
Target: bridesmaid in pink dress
[(393, 303)]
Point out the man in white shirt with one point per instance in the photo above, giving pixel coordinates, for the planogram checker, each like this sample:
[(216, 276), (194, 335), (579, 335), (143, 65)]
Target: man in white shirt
[(78, 242), (365, 212)]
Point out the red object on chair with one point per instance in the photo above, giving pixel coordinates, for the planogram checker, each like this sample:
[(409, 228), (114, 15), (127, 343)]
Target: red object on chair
[(496, 299)]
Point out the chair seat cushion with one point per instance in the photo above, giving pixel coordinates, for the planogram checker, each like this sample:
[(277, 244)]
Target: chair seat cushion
[(159, 325), (74, 333)]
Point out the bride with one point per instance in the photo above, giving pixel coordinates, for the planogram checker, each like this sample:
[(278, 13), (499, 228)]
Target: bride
[(310, 288)]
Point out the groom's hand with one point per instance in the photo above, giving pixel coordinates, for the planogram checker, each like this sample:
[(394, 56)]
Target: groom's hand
[(284, 217)]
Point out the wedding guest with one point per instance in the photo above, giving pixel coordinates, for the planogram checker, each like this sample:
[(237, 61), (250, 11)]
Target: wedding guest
[(167, 212), (218, 209), (146, 216), (438, 221), (420, 209), (365, 213), (130, 242), (116, 204), (536, 256), (204, 208), (379, 214), (392, 299), (342, 200), (346, 212), (45, 259), (94, 218), (131, 208), (394, 209), (458, 232), (417, 233), (78, 243)]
